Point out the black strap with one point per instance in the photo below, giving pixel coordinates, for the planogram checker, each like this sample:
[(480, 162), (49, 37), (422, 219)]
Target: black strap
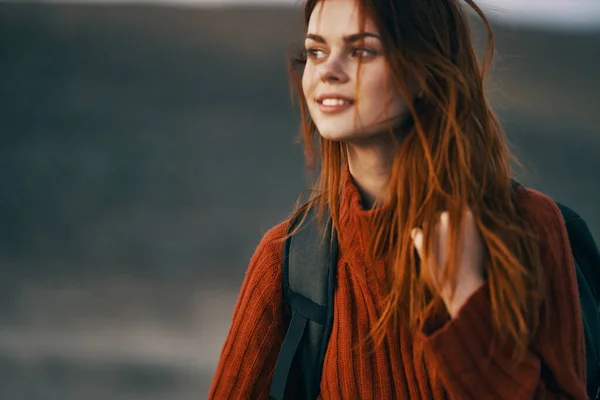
[(286, 357), (309, 266)]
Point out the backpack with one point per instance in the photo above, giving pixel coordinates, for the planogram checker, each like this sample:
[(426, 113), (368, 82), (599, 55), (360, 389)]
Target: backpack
[(309, 269)]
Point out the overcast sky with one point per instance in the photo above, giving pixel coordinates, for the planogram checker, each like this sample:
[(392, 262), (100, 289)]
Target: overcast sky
[(561, 13)]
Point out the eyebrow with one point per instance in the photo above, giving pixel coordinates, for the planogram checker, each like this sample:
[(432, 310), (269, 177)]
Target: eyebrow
[(347, 38)]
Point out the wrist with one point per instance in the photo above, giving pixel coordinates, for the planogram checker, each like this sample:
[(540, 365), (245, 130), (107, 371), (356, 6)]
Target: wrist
[(464, 290)]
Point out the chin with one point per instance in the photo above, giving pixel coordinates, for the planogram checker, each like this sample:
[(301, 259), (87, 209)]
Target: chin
[(349, 134), (338, 135), (339, 131)]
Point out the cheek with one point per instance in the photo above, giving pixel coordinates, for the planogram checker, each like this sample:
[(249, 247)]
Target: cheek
[(382, 101), (381, 94), (393, 100), (307, 79), (397, 104)]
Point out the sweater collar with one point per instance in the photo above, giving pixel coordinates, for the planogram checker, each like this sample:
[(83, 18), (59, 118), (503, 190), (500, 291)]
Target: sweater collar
[(356, 221), (356, 229)]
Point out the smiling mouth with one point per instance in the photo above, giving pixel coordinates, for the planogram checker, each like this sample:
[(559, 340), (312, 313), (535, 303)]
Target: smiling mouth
[(335, 102), (328, 106)]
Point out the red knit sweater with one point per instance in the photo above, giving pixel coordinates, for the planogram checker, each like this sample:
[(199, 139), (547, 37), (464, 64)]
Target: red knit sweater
[(554, 367)]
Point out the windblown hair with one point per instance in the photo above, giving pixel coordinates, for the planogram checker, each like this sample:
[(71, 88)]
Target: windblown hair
[(451, 154)]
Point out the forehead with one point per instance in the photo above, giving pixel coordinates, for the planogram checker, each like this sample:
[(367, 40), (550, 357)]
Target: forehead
[(331, 18)]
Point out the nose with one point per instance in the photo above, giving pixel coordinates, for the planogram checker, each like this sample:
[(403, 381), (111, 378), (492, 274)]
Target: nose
[(333, 70)]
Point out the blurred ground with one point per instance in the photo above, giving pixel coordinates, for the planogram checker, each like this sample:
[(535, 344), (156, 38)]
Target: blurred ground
[(145, 150)]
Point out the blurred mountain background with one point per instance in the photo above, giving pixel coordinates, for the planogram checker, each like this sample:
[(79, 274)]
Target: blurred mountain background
[(145, 150)]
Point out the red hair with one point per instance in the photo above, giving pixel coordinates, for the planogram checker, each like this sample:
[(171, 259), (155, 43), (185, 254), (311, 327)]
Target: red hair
[(451, 154)]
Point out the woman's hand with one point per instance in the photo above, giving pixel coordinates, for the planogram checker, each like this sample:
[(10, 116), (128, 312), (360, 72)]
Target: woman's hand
[(470, 262)]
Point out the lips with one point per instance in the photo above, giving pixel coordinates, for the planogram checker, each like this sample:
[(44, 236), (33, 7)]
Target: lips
[(334, 107), (332, 98), (334, 103)]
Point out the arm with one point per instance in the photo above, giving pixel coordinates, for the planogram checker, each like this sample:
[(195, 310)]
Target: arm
[(257, 330), (554, 366)]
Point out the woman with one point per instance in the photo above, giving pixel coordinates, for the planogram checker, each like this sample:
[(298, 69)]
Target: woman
[(450, 284)]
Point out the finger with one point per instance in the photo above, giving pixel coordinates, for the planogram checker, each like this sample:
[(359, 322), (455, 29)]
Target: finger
[(417, 237), (441, 238), (444, 219)]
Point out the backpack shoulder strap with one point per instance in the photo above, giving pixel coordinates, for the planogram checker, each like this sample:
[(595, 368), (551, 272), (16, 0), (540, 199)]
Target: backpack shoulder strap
[(309, 267)]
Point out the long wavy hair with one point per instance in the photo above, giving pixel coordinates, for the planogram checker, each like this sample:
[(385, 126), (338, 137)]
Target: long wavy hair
[(451, 154)]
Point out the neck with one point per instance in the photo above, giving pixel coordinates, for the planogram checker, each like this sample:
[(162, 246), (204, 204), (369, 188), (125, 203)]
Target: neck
[(370, 164)]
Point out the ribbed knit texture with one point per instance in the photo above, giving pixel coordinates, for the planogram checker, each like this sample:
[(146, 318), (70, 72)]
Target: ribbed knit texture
[(457, 349)]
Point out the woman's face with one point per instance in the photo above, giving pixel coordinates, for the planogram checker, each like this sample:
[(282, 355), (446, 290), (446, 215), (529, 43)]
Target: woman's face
[(331, 73)]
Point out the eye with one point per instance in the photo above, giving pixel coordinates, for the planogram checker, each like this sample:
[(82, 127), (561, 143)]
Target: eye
[(315, 53), (363, 52)]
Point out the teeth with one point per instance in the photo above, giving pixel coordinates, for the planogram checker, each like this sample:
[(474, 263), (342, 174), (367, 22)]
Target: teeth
[(334, 102)]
